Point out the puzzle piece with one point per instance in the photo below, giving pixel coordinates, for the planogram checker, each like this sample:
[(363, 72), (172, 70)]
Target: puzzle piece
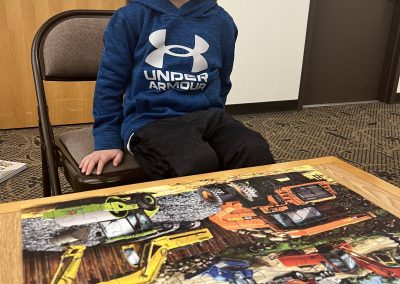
[(298, 208), (263, 229)]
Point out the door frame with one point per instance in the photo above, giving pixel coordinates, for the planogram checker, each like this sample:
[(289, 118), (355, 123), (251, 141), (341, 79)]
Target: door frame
[(391, 65), (307, 53)]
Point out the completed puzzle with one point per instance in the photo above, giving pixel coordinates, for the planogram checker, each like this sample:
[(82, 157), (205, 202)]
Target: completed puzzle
[(297, 226)]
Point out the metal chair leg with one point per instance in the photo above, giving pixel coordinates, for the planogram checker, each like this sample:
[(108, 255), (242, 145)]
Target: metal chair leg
[(54, 178), (45, 175), (51, 180)]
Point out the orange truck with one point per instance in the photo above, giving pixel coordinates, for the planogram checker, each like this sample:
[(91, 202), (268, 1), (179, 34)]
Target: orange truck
[(340, 258), (271, 193), (288, 204), (303, 221)]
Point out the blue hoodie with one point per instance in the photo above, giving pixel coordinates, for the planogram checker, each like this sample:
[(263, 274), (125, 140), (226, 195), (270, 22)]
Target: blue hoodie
[(167, 61)]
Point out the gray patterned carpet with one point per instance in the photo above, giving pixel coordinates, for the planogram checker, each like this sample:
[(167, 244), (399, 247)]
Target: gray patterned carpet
[(365, 135)]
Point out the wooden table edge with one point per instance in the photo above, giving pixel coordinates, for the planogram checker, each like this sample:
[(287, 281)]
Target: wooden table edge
[(20, 205), (11, 268)]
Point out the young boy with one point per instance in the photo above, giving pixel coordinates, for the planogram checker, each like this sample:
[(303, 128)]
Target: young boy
[(161, 91)]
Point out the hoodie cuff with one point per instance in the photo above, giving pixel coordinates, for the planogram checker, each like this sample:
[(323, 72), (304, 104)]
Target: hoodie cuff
[(108, 140)]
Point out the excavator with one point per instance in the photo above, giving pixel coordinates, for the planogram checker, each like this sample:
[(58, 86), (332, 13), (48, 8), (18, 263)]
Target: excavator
[(148, 258), (147, 266), (69, 265), (340, 258)]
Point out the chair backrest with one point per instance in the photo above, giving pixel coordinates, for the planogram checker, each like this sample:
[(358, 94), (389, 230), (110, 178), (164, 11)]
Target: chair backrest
[(68, 46)]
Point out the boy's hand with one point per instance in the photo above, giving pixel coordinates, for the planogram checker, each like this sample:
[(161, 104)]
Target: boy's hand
[(100, 158)]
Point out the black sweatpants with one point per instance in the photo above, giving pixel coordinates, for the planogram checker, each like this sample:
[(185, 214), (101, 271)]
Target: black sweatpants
[(199, 142)]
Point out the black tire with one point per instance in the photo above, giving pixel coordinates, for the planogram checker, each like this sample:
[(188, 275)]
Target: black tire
[(117, 213), (325, 248), (228, 197), (209, 196), (299, 275), (244, 232), (257, 247), (168, 226), (190, 224), (147, 201), (329, 273)]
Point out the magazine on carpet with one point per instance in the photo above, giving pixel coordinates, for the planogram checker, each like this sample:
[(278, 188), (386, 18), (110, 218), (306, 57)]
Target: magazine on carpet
[(9, 169)]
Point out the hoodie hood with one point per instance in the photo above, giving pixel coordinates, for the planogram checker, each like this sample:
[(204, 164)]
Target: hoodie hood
[(198, 9)]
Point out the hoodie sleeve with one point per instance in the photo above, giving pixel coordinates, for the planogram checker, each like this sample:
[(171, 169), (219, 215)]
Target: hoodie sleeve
[(227, 65), (113, 77)]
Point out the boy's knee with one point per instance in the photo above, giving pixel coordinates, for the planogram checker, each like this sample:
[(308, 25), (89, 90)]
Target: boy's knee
[(202, 162), (251, 150), (257, 146)]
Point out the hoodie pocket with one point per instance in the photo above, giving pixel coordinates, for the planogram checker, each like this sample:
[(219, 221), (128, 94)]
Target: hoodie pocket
[(173, 102), (143, 105)]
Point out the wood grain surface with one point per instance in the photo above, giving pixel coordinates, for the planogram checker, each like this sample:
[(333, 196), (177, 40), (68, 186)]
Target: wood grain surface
[(10, 248), (19, 21), (370, 187)]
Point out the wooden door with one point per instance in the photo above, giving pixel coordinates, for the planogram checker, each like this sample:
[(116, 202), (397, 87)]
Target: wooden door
[(348, 46), (68, 102)]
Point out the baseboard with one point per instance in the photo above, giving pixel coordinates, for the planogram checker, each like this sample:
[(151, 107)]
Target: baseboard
[(251, 108)]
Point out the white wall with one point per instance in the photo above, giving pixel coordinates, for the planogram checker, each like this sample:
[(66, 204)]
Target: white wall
[(398, 87), (270, 49)]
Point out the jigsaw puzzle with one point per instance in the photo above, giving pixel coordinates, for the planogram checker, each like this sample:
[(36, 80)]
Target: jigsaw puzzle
[(297, 226)]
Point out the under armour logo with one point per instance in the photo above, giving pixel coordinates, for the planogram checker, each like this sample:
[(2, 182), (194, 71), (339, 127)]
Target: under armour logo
[(156, 58)]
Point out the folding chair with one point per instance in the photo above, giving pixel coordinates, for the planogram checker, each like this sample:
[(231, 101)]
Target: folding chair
[(68, 47)]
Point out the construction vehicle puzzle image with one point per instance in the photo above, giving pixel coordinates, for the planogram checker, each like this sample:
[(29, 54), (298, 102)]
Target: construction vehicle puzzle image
[(228, 270), (341, 258), (297, 226)]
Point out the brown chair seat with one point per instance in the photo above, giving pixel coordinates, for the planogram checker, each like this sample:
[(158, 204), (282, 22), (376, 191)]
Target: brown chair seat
[(74, 145), (68, 47)]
